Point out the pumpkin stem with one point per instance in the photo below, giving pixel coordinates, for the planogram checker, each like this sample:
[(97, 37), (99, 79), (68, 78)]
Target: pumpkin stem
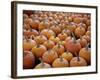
[(87, 46), (78, 58), (67, 52), (38, 46), (74, 37), (81, 37), (27, 39), (32, 37), (61, 59), (41, 62), (58, 45)]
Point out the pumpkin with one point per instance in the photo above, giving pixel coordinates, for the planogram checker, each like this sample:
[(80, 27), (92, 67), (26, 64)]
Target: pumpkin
[(79, 31), (67, 55), (28, 44), (30, 32), (62, 36), (49, 44), (39, 50), (43, 25), (82, 41), (86, 54), (59, 49), (56, 29), (60, 62), (34, 24), (71, 26), (54, 39), (40, 39), (28, 60), (42, 65), (49, 56), (78, 61), (73, 45), (47, 32)]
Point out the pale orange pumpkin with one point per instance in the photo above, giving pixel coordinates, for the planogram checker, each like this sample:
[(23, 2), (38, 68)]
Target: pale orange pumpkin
[(59, 49), (28, 44), (49, 56), (49, 44), (78, 61), (60, 62), (79, 31), (47, 32), (40, 39)]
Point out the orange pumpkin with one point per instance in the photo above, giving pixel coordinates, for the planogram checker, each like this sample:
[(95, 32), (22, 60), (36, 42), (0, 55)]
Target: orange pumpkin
[(56, 29), (59, 49), (78, 61), (62, 36), (28, 44), (47, 32), (67, 55), (79, 31), (71, 26), (86, 54), (40, 39), (82, 41), (60, 62), (43, 25), (73, 46), (39, 50), (49, 56), (34, 24), (28, 60), (49, 44)]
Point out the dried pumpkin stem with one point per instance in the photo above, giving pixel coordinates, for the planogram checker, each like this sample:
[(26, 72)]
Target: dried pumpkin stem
[(87, 46), (78, 58), (41, 62), (74, 37), (61, 59)]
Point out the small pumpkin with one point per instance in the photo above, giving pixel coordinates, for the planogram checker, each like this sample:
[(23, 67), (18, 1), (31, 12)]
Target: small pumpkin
[(60, 62), (43, 25), (39, 50), (73, 45), (49, 56), (40, 39), (82, 41), (67, 55), (34, 24), (62, 36), (56, 29), (79, 31), (28, 60), (86, 54), (78, 61), (71, 26), (59, 49), (47, 32), (28, 44), (49, 44), (42, 65)]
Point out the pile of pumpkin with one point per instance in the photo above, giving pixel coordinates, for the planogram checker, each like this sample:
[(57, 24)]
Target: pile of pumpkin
[(56, 39)]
